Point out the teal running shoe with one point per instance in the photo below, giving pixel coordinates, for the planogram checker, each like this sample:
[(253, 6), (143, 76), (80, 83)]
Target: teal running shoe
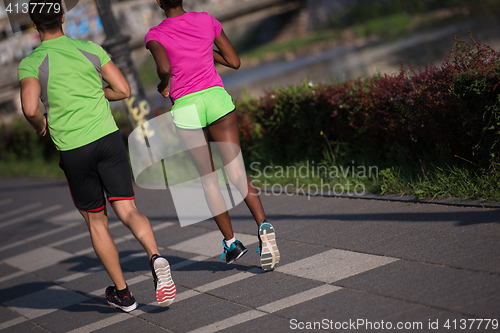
[(268, 250)]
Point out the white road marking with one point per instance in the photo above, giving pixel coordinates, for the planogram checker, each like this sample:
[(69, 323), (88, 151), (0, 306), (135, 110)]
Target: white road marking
[(210, 244), (11, 276), (328, 266), (12, 322), (298, 298), (188, 262), (70, 217), (20, 210), (130, 236), (29, 216), (228, 280), (81, 235), (5, 201), (334, 265), (53, 298), (102, 323), (37, 259), (268, 308), (33, 238)]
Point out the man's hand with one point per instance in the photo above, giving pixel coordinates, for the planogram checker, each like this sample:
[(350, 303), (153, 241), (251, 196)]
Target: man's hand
[(118, 88), (30, 99), (43, 131)]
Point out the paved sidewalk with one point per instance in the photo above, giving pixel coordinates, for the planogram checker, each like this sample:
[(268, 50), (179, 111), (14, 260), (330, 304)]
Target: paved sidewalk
[(347, 265)]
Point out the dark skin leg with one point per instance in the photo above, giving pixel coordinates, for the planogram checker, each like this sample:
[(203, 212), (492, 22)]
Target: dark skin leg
[(224, 130)]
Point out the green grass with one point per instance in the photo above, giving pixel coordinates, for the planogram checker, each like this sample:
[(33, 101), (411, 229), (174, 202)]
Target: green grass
[(315, 178), (292, 45), (37, 167), (462, 182), (443, 182), (389, 26), (437, 182)]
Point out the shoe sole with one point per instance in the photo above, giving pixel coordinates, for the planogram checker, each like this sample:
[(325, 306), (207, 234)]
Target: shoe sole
[(238, 257), (124, 308), (269, 255), (165, 287)]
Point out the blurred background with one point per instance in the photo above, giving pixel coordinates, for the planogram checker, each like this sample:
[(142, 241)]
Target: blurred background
[(281, 42)]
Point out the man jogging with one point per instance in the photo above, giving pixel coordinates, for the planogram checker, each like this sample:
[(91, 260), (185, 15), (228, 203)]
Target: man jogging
[(66, 75)]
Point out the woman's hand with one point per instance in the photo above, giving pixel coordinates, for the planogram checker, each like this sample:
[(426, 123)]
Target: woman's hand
[(164, 90)]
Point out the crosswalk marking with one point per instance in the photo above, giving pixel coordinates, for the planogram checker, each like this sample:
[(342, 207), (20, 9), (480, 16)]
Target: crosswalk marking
[(11, 276), (329, 266), (188, 262), (29, 216), (298, 298), (70, 217), (12, 322), (122, 239), (334, 265), (38, 258), (52, 298), (268, 308), (357, 263), (20, 210), (210, 244), (5, 201), (45, 256), (81, 235), (33, 238), (230, 322), (230, 279), (101, 323)]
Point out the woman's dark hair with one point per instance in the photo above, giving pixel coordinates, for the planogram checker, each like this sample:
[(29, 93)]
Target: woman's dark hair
[(46, 14), (167, 4)]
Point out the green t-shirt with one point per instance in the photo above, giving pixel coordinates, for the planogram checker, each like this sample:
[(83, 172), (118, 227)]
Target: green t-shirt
[(69, 72)]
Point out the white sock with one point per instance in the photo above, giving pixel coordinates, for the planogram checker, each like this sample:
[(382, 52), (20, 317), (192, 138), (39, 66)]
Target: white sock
[(231, 241)]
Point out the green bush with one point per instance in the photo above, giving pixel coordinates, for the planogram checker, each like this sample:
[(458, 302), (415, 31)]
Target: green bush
[(433, 115)]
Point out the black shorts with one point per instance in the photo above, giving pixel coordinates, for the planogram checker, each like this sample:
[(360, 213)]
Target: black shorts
[(101, 166)]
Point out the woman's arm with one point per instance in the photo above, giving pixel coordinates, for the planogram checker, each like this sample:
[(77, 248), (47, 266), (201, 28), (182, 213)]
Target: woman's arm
[(226, 56), (162, 66)]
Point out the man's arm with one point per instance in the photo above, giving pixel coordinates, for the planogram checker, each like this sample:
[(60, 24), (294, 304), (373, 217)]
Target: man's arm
[(118, 86), (163, 68), (30, 96), (226, 56)]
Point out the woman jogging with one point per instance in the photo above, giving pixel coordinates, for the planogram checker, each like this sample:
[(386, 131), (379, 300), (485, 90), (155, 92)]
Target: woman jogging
[(182, 46)]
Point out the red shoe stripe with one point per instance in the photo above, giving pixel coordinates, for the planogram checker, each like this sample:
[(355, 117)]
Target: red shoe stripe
[(166, 293), (161, 299), (170, 287)]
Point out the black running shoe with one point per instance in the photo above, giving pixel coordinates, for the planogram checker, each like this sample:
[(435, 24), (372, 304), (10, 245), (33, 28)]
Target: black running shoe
[(164, 285), (127, 302), (233, 252)]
